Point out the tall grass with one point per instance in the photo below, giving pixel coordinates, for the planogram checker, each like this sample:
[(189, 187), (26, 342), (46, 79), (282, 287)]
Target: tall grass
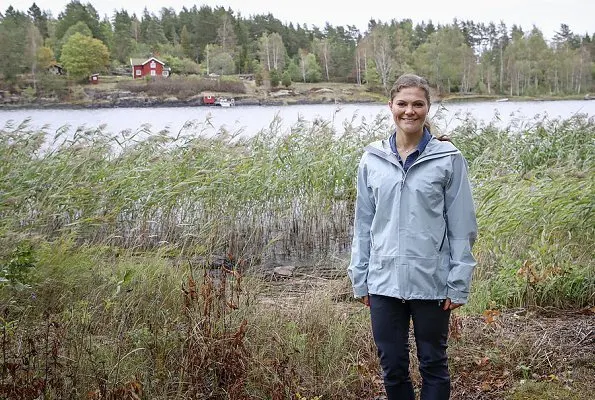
[(283, 195), (534, 192), (101, 325), (290, 195), (106, 292)]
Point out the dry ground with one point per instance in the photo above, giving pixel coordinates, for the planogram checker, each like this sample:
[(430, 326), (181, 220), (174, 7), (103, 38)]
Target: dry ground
[(503, 354)]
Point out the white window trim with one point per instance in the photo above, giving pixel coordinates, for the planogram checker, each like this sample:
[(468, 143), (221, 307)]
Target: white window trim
[(153, 65), (153, 72), (138, 72)]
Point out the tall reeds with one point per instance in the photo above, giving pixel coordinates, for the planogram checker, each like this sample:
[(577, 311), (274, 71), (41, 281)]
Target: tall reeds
[(106, 290)]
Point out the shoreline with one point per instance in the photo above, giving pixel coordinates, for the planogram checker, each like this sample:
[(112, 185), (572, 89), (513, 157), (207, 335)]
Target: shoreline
[(148, 102), (122, 99), (241, 102)]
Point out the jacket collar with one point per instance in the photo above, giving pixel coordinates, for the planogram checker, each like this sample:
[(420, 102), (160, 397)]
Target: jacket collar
[(434, 149), (421, 146)]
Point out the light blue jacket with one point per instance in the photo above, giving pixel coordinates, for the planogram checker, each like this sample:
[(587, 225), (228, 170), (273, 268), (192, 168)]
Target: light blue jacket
[(414, 230)]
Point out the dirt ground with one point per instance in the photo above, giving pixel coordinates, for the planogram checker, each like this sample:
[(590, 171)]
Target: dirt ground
[(503, 354)]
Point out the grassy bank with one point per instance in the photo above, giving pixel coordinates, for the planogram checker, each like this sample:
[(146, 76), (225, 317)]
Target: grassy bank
[(108, 290)]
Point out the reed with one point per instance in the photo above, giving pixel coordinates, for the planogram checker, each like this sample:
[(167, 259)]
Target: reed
[(105, 288)]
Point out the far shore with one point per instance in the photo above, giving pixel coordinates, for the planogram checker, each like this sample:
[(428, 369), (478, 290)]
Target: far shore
[(101, 97)]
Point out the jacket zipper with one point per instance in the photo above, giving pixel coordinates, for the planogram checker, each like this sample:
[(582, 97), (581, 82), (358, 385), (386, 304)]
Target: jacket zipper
[(443, 239)]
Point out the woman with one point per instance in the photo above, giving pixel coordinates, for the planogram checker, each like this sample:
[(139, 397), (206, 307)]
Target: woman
[(413, 233)]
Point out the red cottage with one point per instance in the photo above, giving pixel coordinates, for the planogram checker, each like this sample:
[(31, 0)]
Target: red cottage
[(150, 67)]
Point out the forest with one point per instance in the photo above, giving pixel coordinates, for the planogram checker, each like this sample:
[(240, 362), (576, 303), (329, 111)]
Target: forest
[(197, 266), (464, 57)]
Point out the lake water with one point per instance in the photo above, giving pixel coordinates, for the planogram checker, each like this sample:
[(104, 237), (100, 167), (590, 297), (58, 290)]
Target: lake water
[(247, 120)]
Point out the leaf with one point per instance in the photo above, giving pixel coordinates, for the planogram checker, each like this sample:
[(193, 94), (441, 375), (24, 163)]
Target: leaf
[(489, 316)]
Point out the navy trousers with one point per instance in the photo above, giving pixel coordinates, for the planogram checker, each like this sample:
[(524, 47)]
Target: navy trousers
[(390, 327)]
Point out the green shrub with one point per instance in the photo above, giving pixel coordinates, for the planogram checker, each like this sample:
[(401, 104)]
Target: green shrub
[(18, 266), (274, 78)]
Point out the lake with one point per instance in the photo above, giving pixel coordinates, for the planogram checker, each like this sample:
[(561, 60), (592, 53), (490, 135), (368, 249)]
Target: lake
[(247, 120)]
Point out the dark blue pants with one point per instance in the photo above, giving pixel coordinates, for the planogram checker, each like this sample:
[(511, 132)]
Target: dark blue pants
[(390, 327)]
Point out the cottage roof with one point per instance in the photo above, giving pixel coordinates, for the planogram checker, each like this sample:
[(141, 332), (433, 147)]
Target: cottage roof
[(143, 61)]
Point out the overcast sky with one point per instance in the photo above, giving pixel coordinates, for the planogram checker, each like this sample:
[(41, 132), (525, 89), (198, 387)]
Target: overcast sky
[(547, 15)]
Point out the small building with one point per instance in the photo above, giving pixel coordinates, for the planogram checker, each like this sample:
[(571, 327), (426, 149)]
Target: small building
[(94, 79), (149, 67), (56, 69)]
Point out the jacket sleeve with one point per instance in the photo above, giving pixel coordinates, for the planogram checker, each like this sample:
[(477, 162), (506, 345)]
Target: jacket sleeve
[(461, 226), (360, 248)]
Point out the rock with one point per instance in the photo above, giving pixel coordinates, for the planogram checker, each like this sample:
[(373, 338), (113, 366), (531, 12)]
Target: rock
[(280, 93), (285, 271)]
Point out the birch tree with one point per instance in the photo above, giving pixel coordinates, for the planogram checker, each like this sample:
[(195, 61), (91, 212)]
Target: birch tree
[(323, 49), (382, 53), (271, 51), (34, 43)]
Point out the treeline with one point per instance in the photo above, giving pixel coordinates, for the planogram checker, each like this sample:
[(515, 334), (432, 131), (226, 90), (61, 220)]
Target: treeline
[(463, 56)]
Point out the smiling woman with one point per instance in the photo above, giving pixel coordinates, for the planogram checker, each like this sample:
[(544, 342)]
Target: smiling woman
[(409, 105), (411, 255)]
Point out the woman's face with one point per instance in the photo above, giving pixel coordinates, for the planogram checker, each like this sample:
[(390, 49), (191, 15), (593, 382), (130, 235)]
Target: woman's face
[(410, 108)]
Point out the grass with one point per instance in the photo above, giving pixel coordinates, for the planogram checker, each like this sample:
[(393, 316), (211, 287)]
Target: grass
[(109, 289)]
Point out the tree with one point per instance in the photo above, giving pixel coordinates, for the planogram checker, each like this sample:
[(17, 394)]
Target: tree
[(309, 67), (274, 77), (76, 12), (152, 31), (45, 58), (371, 75), (40, 19), (565, 37), (106, 32), (83, 55), (293, 69), (169, 22), (79, 27), (13, 42), (122, 43), (286, 79), (34, 42), (226, 37), (186, 43), (323, 48), (271, 51), (446, 60), (382, 52), (221, 62)]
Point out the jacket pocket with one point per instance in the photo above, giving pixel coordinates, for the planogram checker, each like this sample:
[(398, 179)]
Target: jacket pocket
[(425, 278), (383, 274)]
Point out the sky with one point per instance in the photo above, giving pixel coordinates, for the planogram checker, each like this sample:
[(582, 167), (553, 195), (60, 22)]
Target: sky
[(547, 15)]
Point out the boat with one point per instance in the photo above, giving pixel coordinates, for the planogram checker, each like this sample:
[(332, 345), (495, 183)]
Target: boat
[(224, 102), (502, 100)]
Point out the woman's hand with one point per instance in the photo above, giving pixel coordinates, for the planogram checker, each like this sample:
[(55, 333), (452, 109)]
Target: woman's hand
[(448, 305), (365, 300)]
